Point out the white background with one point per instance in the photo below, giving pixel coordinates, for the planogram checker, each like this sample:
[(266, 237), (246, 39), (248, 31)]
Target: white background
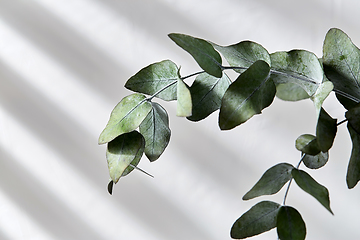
[(63, 65)]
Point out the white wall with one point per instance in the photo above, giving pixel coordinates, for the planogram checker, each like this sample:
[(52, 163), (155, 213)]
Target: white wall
[(63, 65)]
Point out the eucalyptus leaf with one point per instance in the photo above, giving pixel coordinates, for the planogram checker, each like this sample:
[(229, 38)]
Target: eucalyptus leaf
[(248, 95), (353, 171), (184, 103), (326, 129), (156, 131), (206, 94), (321, 94), (341, 60), (309, 185), (202, 51), (317, 161), (298, 71), (126, 117), (244, 54), (353, 116), (122, 152), (160, 78), (260, 218), (271, 181), (307, 144), (290, 225)]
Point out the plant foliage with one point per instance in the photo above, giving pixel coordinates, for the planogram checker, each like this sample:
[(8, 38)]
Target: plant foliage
[(139, 125)]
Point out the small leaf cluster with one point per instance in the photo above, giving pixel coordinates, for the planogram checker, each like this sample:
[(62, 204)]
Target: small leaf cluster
[(138, 125)]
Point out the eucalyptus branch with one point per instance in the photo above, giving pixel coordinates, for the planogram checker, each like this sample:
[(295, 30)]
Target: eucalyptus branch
[(341, 122), (289, 184)]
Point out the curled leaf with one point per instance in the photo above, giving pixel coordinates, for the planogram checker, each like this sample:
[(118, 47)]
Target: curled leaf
[(307, 144)]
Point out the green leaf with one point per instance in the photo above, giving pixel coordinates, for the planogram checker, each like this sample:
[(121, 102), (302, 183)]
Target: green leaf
[(154, 78), (202, 51), (326, 129), (156, 131), (297, 71), (290, 225), (353, 116), (341, 60), (271, 181), (206, 93), (321, 94), (316, 161), (184, 103), (353, 171), (307, 144), (309, 185), (122, 152), (126, 117), (260, 218), (251, 92), (244, 54)]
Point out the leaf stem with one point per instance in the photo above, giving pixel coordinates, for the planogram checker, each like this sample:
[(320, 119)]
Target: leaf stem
[(343, 121), (137, 168), (191, 75), (163, 89), (288, 187)]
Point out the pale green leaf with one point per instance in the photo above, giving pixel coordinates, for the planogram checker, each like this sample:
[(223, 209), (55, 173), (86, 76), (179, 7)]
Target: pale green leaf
[(290, 225), (244, 54), (156, 131), (271, 181), (184, 103), (260, 218), (309, 185), (124, 153), (248, 95), (299, 70), (160, 78), (316, 161), (321, 94), (202, 51), (126, 117), (307, 144), (326, 129), (206, 94), (341, 60), (353, 171)]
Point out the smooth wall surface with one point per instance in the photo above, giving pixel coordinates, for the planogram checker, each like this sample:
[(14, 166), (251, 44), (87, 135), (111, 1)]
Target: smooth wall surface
[(63, 65)]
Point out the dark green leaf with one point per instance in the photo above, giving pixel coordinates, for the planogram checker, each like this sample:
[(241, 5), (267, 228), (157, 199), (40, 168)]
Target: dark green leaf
[(156, 131), (206, 93), (184, 104), (290, 225), (122, 152), (126, 117), (155, 77), (316, 161), (260, 218), (326, 129), (353, 116), (244, 54), (248, 95), (308, 144), (202, 51), (271, 181), (353, 171), (297, 71), (309, 185), (341, 60)]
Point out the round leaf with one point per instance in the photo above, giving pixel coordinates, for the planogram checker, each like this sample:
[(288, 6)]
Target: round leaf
[(155, 77), (126, 117), (260, 218), (316, 161), (307, 143), (290, 225), (122, 152)]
